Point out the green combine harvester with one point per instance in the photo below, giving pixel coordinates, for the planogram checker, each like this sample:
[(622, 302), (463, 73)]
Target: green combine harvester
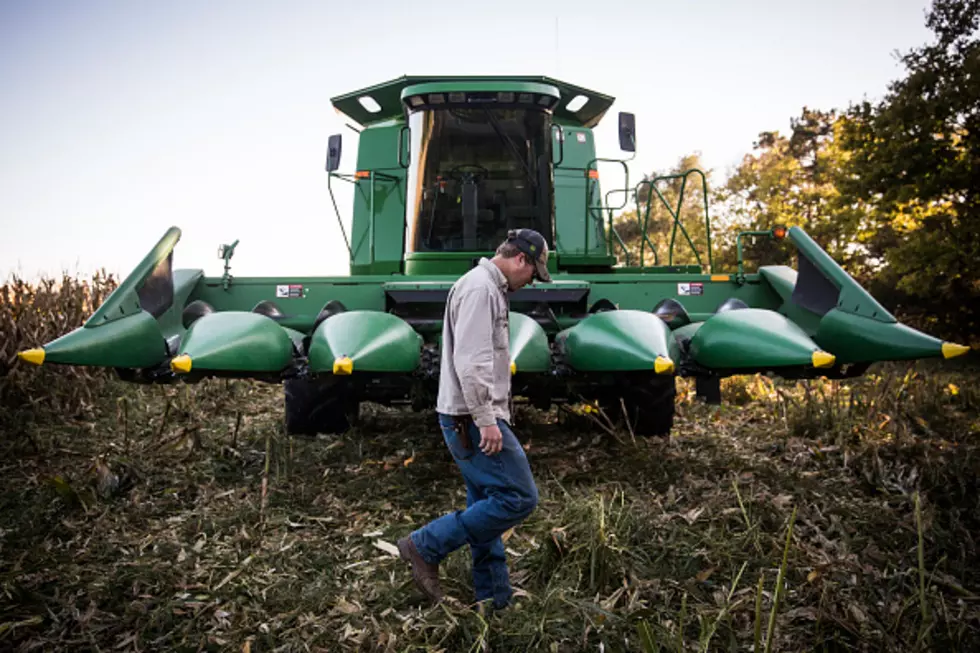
[(445, 167)]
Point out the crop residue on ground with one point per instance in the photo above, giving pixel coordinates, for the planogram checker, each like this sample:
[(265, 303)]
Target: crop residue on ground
[(798, 516)]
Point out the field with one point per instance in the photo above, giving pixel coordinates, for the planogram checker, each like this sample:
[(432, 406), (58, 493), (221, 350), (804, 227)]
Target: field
[(818, 516)]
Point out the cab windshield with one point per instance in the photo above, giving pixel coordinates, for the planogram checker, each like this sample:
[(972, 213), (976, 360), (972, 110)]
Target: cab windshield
[(475, 174)]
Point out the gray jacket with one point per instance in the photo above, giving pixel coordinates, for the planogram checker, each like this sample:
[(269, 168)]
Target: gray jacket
[(474, 375)]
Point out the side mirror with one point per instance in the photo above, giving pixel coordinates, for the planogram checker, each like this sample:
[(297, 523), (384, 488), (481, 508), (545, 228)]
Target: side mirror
[(627, 132), (333, 153)]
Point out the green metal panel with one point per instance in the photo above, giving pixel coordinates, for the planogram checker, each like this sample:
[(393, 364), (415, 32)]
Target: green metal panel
[(418, 284), (660, 269), (853, 298), (572, 217), (687, 331), (124, 300), (751, 338), (451, 264), (185, 282), (529, 349), (627, 291), (618, 341), (487, 86), (419, 264), (577, 150), (133, 341), (574, 194), (388, 96), (313, 293), (782, 280), (378, 244), (296, 336), (374, 341), (697, 293), (857, 339), (237, 341)]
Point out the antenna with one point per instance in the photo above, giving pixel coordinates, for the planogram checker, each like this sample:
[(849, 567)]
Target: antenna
[(557, 58)]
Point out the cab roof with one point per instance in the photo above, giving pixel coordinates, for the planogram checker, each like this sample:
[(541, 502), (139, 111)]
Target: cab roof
[(387, 103)]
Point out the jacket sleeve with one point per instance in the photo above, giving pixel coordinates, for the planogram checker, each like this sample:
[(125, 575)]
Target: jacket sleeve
[(473, 353)]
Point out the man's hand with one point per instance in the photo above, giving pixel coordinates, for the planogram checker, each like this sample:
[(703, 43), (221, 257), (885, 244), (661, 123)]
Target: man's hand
[(491, 440)]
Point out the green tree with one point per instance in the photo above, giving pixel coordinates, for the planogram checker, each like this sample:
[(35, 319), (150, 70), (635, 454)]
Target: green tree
[(914, 159), (794, 181)]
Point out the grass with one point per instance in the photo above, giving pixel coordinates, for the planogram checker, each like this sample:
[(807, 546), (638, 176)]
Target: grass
[(181, 518), (818, 516)]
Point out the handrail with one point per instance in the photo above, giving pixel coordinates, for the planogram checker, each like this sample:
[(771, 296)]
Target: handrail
[(589, 209), (675, 214), (619, 239), (561, 140), (656, 257), (401, 142), (740, 267), (353, 179), (330, 175), (610, 230)]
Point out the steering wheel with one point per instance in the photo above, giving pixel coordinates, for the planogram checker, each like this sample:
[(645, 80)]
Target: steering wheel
[(458, 173)]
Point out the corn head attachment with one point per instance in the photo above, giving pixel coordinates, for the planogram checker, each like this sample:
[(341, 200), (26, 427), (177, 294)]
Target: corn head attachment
[(446, 166)]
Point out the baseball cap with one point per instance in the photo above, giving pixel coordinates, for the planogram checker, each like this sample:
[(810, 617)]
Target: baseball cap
[(534, 245)]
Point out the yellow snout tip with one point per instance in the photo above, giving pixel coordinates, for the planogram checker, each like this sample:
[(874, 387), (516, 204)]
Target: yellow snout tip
[(181, 364), (663, 365), (36, 356), (823, 359), (951, 350), (513, 368), (343, 365)]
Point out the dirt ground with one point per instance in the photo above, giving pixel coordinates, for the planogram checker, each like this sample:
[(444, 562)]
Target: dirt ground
[(818, 516)]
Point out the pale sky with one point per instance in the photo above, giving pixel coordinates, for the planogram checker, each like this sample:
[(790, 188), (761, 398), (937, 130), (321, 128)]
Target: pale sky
[(120, 119)]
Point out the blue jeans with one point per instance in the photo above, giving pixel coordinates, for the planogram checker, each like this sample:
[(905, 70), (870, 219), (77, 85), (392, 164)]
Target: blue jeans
[(500, 493)]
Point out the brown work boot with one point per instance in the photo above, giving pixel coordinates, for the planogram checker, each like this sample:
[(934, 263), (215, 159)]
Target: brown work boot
[(425, 574)]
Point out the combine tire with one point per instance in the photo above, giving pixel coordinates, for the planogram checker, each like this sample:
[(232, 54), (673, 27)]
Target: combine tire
[(649, 407), (318, 406)]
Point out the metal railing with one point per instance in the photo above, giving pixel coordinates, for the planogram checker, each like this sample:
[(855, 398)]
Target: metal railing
[(371, 175), (613, 236), (594, 213), (676, 215)]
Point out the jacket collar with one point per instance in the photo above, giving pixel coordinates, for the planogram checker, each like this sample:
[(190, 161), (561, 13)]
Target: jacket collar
[(495, 273)]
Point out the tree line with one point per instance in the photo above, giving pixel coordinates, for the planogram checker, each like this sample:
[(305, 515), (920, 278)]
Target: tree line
[(891, 189)]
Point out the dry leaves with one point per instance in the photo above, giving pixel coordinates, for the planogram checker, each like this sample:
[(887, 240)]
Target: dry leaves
[(176, 556)]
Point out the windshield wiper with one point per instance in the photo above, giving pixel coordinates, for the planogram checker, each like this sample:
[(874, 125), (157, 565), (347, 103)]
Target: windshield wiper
[(513, 148)]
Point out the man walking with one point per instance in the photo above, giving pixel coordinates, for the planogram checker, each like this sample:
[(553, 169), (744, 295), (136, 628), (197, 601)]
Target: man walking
[(474, 414)]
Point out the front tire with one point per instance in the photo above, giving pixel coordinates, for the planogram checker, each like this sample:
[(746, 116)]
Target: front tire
[(323, 405)]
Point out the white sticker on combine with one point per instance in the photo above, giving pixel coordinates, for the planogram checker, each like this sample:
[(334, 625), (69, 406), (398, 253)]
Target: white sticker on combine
[(580, 136), (290, 290), (686, 289)]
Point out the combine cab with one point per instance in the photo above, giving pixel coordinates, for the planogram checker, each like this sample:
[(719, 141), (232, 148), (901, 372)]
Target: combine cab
[(445, 167)]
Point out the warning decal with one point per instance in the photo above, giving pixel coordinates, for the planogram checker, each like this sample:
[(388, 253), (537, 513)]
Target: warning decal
[(687, 289), (290, 290)]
